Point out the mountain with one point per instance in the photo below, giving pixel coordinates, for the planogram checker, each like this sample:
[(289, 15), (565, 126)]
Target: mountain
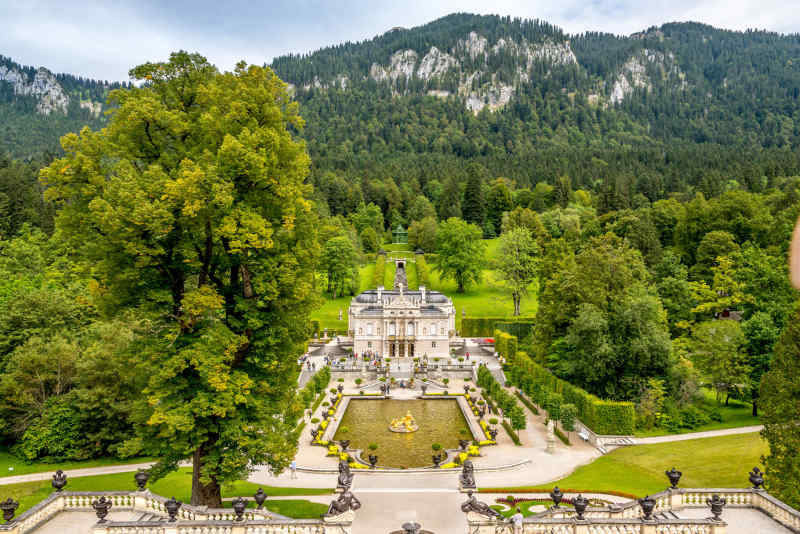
[(38, 107), (678, 108)]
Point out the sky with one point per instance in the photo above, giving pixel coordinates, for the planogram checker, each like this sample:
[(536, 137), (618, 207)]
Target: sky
[(103, 39)]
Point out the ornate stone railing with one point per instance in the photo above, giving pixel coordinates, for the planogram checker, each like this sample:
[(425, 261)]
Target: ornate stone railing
[(190, 519), (601, 526), (678, 499)]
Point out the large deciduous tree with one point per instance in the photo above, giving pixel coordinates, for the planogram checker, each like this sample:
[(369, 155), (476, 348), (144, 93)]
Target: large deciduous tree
[(780, 412), (517, 262), (192, 208), (459, 252)]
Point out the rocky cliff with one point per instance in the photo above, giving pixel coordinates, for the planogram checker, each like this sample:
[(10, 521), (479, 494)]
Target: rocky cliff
[(43, 86)]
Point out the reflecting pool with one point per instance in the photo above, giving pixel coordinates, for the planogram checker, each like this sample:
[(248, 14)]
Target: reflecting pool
[(367, 421)]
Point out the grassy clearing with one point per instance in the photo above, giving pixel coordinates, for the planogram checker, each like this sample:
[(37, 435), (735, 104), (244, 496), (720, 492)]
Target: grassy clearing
[(388, 275), (411, 276), (177, 484), (396, 247), (720, 462), (328, 312), (736, 414), (297, 508), (10, 465)]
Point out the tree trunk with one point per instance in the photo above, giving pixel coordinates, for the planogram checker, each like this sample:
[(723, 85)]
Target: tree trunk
[(755, 407), (516, 298), (204, 494)]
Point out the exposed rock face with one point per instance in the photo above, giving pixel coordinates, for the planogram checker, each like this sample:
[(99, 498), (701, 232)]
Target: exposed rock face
[(95, 108), (44, 86), (461, 61), (634, 73)]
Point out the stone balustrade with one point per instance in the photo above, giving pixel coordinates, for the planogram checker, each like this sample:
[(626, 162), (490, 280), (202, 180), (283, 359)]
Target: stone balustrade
[(602, 526), (191, 519)]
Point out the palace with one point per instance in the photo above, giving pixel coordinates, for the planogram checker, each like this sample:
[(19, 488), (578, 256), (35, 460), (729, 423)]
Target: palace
[(398, 324)]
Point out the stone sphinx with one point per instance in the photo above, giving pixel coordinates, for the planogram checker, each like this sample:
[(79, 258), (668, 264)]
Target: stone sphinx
[(345, 476), (467, 477), (346, 502), (474, 505)]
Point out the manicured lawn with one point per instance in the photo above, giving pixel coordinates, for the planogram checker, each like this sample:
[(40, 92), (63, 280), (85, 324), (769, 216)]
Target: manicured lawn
[(297, 508), (721, 462), (11, 465), (411, 275), (177, 484), (391, 247), (328, 313), (388, 275), (736, 414)]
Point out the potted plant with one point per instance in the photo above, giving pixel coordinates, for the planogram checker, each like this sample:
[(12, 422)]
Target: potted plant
[(373, 459), (358, 381), (333, 391), (314, 420), (493, 421), (340, 379), (437, 457), (445, 381)]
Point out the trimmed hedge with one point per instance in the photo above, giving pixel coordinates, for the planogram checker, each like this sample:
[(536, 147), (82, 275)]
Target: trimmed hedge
[(505, 344), (380, 268), (602, 416), (315, 386), (521, 328), (486, 326)]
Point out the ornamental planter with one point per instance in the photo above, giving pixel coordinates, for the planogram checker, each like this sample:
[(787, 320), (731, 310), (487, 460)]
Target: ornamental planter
[(648, 504), (674, 476), (260, 497), (556, 495)]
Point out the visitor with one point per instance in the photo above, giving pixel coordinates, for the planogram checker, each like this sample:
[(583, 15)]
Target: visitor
[(314, 366), (516, 522), (293, 468)]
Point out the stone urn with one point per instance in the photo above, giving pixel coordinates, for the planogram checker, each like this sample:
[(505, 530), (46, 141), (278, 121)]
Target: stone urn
[(172, 506), (674, 476), (59, 480), (556, 495), (716, 505), (463, 444), (141, 478), (373, 461), (466, 389), (345, 444), (260, 497), (756, 478), (424, 388), (437, 459), (340, 388), (9, 508), (580, 503), (101, 507), (239, 506), (648, 504), (411, 528)]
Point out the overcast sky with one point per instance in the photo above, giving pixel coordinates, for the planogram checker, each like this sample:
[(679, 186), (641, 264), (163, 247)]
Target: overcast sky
[(104, 39)]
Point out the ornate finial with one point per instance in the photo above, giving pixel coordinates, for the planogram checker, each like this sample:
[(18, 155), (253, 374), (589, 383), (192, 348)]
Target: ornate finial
[(101, 507), (674, 476), (239, 506), (756, 478), (59, 480), (9, 507)]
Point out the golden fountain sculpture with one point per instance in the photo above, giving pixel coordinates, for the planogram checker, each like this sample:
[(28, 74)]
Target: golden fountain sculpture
[(404, 424)]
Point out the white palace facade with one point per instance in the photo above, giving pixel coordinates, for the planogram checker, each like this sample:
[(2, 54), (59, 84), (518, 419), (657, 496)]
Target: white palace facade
[(402, 324)]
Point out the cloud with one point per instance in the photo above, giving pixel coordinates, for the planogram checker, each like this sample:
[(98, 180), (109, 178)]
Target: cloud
[(103, 40)]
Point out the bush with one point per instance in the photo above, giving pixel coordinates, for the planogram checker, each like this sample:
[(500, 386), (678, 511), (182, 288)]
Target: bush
[(314, 420), (340, 379), (380, 269), (423, 271), (527, 403), (486, 326), (511, 433), (358, 381), (569, 413), (436, 447), (56, 435), (493, 421), (373, 446)]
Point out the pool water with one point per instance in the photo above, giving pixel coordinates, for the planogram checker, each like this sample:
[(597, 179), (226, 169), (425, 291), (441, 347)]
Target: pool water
[(367, 421)]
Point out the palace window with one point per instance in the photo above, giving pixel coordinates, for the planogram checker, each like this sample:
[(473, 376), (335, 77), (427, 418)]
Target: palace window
[(369, 329), (433, 344), (369, 344)]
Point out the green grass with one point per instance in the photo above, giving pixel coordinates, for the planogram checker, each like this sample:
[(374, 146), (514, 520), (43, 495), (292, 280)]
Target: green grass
[(388, 274), (524, 507), (736, 414), (328, 313), (177, 484), (394, 247), (411, 276), (297, 508), (720, 462), (20, 467)]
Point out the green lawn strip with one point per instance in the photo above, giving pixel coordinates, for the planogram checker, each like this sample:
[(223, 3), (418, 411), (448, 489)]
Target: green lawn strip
[(297, 508), (411, 276), (388, 275), (328, 312), (21, 467), (720, 462), (524, 507), (177, 484), (395, 247)]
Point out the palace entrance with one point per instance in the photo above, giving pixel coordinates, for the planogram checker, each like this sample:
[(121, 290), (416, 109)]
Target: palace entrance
[(401, 349)]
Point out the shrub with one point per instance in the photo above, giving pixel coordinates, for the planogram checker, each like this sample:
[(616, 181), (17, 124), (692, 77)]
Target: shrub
[(436, 447), (358, 381), (511, 433), (344, 429), (361, 392), (493, 421), (314, 420), (340, 379), (445, 381), (569, 413), (333, 391), (373, 446), (326, 404)]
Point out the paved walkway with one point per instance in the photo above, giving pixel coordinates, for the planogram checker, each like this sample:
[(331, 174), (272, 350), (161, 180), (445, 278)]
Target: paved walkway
[(697, 435)]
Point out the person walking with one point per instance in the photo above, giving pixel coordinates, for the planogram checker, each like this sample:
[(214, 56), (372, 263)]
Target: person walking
[(293, 469), (516, 522)]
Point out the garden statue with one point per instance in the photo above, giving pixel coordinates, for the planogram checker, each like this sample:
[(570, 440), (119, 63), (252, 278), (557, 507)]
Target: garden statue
[(474, 505), (463, 444), (551, 436), (101, 507), (346, 502), (260, 497), (239, 506), (756, 478), (9, 507), (373, 460), (467, 478), (580, 503), (674, 476), (716, 505), (340, 388), (172, 506), (648, 504), (411, 528), (345, 444), (466, 389), (59, 480), (141, 478), (404, 424), (345, 476), (493, 433), (556, 495)]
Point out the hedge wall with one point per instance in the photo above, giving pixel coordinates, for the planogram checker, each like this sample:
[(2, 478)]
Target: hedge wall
[(485, 326), (380, 267), (602, 416), (505, 344), (521, 328)]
